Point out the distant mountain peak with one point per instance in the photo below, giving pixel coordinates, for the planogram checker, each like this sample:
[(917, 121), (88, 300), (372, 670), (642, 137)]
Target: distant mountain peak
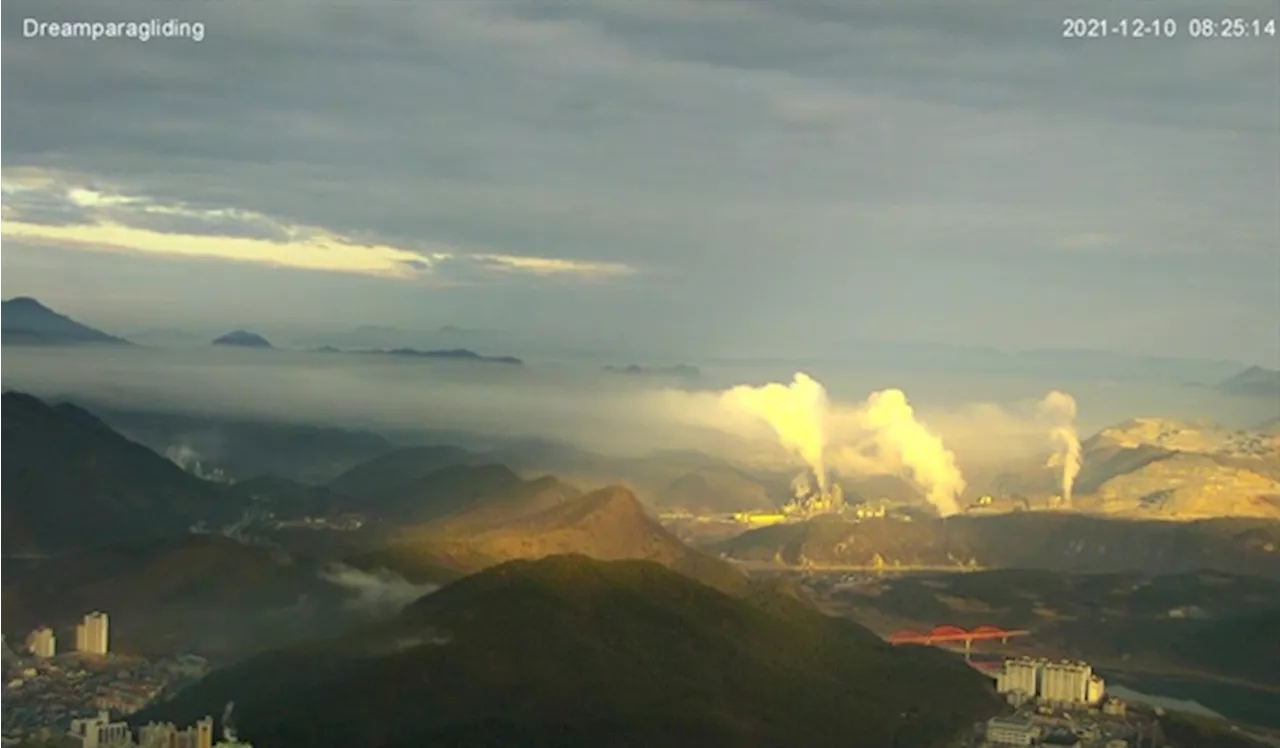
[(242, 338), (27, 320), (25, 302), (1255, 381)]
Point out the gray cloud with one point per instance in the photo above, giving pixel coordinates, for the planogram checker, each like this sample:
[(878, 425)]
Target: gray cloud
[(780, 170)]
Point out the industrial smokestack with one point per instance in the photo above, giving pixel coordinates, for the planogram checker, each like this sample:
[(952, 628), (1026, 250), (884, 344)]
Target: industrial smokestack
[(880, 436), (1059, 409)]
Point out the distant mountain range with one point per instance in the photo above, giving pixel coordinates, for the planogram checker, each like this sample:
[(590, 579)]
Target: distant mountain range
[(570, 651), (1253, 382), (679, 371), (243, 448), (26, 321), (456, 354)]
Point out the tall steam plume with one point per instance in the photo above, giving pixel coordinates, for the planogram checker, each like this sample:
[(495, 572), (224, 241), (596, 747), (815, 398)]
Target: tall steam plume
[(896, 442), (1059, 409), (878, 436), (797, 413)]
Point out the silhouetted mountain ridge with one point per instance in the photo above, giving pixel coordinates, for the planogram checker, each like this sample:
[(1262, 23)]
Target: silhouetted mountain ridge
[(570, 651), (72, 482), (26, 321)]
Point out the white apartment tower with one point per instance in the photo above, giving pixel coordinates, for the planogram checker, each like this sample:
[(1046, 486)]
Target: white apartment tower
[(42, 642), (1066, 682), (1063, 682), (91, 635), (1021, 676)]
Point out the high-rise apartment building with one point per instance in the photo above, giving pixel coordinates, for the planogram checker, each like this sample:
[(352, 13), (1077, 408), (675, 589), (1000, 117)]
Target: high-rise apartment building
[(42, 642), (1066, 682), (91, 635), (167, 735), (1063, 682), (1021, 676), (101, 732)]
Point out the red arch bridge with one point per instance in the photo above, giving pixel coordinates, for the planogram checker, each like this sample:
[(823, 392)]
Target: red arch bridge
[(946, 634)]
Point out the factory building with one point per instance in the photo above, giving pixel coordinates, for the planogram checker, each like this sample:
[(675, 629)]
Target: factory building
[(91, 635), (101, 732), (42, 642), (1063, 682), (1012, 731)]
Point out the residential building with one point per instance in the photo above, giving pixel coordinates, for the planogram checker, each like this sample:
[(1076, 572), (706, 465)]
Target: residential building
[(42, 642), (91, 635), (101, 732), (1065, 682), (1012, 731), (157, 735), (1021, 677), (167, 735)]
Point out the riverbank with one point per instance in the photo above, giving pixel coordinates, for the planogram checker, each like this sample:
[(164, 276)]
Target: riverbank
[(1234, 701)]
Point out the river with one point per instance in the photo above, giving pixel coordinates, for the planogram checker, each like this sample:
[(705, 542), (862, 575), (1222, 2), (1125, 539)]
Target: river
[(1235, 702)]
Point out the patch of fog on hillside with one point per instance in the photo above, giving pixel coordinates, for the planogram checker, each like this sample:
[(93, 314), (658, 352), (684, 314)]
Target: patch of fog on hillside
[(380, 592)]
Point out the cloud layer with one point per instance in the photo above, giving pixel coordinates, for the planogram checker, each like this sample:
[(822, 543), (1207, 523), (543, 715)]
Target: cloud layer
[(46, 207), (776, 174)]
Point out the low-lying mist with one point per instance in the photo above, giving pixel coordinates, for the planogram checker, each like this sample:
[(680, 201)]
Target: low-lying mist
[(903, 424), (380, 592)]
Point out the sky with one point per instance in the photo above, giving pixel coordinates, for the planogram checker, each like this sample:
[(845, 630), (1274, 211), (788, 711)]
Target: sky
[(721, 176)]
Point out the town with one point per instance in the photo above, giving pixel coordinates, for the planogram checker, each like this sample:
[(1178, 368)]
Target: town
[(54, 698)]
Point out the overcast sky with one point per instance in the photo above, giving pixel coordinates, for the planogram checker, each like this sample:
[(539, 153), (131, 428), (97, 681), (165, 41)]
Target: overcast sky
[(722, 175)]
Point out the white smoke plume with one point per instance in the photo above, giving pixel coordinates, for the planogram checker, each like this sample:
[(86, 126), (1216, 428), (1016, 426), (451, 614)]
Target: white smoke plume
[(878, 436), (1059, 409), (380, 591), (189, 460), (797, 412), (889, 439)]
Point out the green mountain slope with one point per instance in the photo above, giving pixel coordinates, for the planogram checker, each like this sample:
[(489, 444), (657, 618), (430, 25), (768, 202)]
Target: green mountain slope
[(567, 651)]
